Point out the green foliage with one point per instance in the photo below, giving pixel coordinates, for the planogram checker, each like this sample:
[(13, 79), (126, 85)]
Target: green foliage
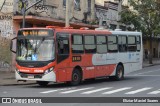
[(130, 18), (145, 16)]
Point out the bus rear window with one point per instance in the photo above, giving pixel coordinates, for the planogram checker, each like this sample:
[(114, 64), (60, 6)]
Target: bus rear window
[(35, 32)]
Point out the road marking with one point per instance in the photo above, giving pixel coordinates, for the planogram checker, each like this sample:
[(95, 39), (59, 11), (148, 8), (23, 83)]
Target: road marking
[(117, 90), (5, 92), (71, 91), (144, 75), (97, 90), (51, 91), (155, 92), (137, 91)]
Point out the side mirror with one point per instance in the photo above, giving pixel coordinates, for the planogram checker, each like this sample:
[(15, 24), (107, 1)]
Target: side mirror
[(13, 41)]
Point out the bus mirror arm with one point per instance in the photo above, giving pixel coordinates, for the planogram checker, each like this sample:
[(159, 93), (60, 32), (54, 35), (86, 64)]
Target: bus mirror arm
[(11, 45)]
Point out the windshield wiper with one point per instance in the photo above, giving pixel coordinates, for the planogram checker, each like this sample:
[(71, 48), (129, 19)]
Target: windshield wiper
[(38, 46)]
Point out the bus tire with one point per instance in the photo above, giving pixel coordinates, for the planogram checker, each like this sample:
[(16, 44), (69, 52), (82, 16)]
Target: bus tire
[(76, 77), (119, 73), (43, 83)]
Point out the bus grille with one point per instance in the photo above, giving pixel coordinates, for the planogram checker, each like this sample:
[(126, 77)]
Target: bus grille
[(24, 75)]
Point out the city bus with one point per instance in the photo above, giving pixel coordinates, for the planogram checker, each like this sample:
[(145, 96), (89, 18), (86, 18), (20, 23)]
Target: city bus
[(56, 54)]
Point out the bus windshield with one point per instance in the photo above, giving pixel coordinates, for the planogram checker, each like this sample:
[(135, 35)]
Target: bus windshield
[(35, 49)]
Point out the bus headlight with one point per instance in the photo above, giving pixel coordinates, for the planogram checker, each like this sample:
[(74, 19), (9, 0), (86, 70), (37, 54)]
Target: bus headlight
[(48, 70)]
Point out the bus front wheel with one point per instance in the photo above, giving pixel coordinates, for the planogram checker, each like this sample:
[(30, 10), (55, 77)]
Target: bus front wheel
[(76, 77), (43, 83)]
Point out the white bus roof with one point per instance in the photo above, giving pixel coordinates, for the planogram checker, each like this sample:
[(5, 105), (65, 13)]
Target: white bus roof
[(125, 33)]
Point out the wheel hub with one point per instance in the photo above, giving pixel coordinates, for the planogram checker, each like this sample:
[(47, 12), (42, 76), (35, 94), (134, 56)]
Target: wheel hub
[(75, 77)]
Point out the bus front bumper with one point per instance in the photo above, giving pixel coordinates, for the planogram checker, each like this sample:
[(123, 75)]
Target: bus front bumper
[(51, 77)]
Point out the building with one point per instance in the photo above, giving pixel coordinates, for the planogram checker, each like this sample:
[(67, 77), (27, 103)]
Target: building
[(82, 13), (6, 18), (6, 31), (124, 2), (155, 45), (108, 15), (49, 12)]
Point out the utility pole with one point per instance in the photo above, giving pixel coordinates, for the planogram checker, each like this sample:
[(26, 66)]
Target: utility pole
[(67, 14), (92, 10), (24, 11), (119, 10)]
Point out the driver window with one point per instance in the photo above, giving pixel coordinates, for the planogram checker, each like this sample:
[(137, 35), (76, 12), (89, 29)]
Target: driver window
[(63, 43)]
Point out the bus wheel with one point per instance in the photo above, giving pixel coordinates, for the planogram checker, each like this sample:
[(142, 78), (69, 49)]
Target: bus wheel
[(119, 73), (43, 83), (76, 77)]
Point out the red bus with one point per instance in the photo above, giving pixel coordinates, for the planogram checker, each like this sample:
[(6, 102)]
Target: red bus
[(55, 54)]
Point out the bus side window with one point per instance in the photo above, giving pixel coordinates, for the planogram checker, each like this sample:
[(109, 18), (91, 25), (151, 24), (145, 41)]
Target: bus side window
[(112, 44), (132, 43), (77, 44), (90, 45), (101, 44), (122, 43), (138, 43)]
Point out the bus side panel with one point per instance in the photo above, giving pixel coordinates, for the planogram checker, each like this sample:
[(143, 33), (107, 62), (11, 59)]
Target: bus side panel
[(62, 69), (101, 70), (61, 75), (86, 65), (90, 69), (69, 74), (89, 72), (105, 70), (105, 64), (64, 75)]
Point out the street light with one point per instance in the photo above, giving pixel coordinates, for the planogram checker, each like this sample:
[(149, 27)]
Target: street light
[(24, 12)]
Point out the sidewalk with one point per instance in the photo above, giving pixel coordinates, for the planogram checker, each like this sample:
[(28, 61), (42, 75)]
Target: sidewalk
[(7, 78), (156, 61)]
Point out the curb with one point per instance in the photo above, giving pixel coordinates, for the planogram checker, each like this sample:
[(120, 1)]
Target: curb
[(13, 82), (17, 84), (150, 65)]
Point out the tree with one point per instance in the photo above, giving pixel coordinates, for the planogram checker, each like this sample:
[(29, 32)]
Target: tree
[(145, 17)]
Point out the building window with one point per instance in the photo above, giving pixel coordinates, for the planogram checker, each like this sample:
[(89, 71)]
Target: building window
[(132, 43), (122, 43), (77, 5), (90, 46), (101, 44), (89, 5), (64, 3), (77, 44), (112, 44)]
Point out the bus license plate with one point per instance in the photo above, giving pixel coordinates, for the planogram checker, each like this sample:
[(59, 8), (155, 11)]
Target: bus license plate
[(31, 76)]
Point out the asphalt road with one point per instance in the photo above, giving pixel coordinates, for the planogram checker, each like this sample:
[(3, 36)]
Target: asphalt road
[(142, 83)]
